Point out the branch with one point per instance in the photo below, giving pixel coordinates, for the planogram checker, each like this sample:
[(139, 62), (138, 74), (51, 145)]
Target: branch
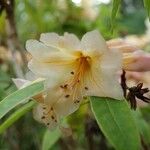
[(12, 40)]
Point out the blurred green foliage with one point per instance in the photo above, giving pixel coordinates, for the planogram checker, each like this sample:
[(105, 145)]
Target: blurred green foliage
[(35, 17), (38, 16)]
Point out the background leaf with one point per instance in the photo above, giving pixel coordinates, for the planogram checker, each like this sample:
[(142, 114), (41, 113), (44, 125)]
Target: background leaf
[(20, 96), (116, 122), (50, 138), (143, 126), (116, 5), (147, 6)]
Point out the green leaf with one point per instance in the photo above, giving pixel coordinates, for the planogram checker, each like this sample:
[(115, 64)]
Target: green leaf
[(50, 138), (16, 115), (143, 126), (116, 122), (20, 96), (147, 6), (116, 5)]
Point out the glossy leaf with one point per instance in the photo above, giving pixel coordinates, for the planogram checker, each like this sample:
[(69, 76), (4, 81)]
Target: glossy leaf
[(116, 122), (20, 96), (50, 138), (143, 126), (16, 115)]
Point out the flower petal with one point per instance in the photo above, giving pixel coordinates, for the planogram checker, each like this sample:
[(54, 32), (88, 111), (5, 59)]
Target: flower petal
[(69, 108), (111, 59), (63, 101), (47, 120), (104, 84), (121, 45), (54, 73), (72, 42), (138, 61), (68, 41), (31, 76), (50, 39), (93, 41), (103, 80), (38, 50), (21, 83), (111, 85)]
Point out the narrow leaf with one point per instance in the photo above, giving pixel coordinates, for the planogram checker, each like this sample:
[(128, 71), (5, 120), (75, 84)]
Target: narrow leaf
[(116, 122), (20, 96), (16, 115), (116, 5), (50, 138), (147, 6)]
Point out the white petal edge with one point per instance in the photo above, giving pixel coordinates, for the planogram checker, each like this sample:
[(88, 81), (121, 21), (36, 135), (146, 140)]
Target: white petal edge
[(65, 43), (38, 50), (21, 83), (93, 41)]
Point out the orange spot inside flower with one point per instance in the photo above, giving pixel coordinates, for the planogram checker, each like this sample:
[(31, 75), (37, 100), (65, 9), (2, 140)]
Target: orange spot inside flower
[(82, 66), (75, 84)]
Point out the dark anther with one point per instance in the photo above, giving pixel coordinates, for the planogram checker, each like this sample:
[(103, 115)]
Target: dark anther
[(43, 117), (56, 121), (52, 109), (53, 117), (48, 123), (72, 72), (65, 86), (67, 95), (77, 101), (86, 88), (131, 93)]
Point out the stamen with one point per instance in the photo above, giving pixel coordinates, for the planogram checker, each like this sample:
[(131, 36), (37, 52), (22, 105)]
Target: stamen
[(67, 96), (74, 84), (72, 72), (53, 117), (43, 117), (86, 88), (48, 123), (65, 86), (77, 101)]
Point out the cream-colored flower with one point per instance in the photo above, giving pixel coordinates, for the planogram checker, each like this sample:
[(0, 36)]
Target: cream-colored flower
[(73, 69), (134, 59)]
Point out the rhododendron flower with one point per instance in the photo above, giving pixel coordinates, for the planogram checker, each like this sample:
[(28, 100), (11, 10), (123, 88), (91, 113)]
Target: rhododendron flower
[(137, 61), (134, 59), (73, 69)]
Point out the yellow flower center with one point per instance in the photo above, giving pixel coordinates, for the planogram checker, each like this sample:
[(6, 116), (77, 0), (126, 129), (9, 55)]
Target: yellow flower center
[(82, 66), (75, 84)]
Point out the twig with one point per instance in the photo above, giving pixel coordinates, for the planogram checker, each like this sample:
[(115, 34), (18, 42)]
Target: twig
[(12, 40)]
